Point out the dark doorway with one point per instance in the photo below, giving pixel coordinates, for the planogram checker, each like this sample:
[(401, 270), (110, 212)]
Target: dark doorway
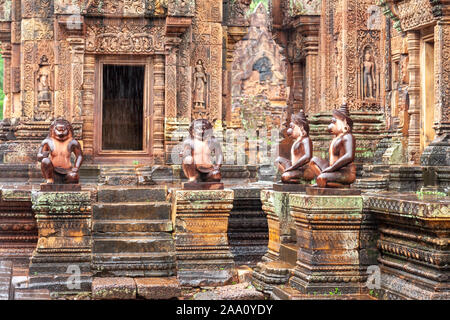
[(123, 107)]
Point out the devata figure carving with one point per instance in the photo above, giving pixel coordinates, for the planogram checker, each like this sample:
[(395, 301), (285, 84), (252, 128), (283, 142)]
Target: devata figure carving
[(197, 153), (340, 171), (200, 79), (368, 75), (296, 169), (55, 152)]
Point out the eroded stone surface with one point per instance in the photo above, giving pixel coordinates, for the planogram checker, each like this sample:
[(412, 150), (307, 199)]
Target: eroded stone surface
[(242, 291), (158, 288), (113, 289)]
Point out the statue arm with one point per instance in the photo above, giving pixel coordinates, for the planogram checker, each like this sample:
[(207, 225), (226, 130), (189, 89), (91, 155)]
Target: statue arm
[(347, 158), (43, 150), (307, 146), (76, 148), (186, 149)]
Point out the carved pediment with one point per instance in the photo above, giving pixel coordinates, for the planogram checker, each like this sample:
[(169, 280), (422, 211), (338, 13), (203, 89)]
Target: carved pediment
[(125, 37)]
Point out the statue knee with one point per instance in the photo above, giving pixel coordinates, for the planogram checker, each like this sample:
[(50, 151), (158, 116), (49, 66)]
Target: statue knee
[(72, 177), (216, 176), (308, 174), (188, 160), (285, 177), (46, 162), (321, 181)]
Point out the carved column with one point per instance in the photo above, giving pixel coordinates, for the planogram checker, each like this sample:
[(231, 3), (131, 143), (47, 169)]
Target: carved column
[(297, 86), (414, 97), (88, 105), (158, 108), (233, 36), (437, 153), (311, 78), (76, 45), (6, 54), (171, 81)]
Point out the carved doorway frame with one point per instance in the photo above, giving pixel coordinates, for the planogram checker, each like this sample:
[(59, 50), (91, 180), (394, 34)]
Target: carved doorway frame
[(124, 156)]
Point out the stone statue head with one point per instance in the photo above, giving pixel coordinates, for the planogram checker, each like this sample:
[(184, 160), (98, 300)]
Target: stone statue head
[(299, 125), (201, 129), (61, 129), (341, 121)]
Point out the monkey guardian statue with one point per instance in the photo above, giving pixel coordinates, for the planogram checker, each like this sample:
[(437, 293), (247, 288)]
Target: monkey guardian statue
[(55, 152), (197, 153)]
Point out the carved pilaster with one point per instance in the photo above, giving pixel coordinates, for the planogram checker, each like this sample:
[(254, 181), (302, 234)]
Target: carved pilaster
[(414, 97), (88, 105), (158, 108), (438, 152), (76, 45), (233, 36), (310, 91), (7, 78)]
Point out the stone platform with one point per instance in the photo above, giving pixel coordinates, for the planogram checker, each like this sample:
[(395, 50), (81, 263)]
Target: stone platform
[(276, 206), (289, 187), (414, 244), (61, 261), (18, 228), (329, 238), (201, 223)]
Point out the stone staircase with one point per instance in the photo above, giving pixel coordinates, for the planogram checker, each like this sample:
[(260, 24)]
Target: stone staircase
[(374, 178), (132, 233)]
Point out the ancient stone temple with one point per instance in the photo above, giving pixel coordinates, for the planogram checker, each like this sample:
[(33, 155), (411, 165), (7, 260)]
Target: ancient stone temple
[(104, 193)]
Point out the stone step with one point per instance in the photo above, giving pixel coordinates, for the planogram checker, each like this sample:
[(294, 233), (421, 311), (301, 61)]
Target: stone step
[(131, 194), (113, 289), (288, 253), (157, 242), (130, 227), (6, 269), (61, 283), (137, 210), (158, 288), (148, 264), (40, 268), (289, 293), (28, 294)]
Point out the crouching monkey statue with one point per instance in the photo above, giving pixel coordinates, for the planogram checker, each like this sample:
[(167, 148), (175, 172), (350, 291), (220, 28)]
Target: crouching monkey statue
[(55, 153), (198, 148)]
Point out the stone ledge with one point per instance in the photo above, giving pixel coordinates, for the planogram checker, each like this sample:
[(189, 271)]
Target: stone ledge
[(113, 289), (158, 288)]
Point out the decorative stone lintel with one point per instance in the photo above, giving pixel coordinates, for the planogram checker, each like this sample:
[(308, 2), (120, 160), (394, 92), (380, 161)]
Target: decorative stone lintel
[(201, 224), (328, 234)]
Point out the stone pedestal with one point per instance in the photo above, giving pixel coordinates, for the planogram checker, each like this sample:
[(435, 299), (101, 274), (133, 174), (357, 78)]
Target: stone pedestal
[(276, 206), (61, 261), (202, 249), (18, 230), (413, 245), (328, 235)]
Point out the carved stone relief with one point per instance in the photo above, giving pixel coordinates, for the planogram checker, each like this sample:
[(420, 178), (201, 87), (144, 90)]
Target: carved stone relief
[(124, 38), (43, 109)]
